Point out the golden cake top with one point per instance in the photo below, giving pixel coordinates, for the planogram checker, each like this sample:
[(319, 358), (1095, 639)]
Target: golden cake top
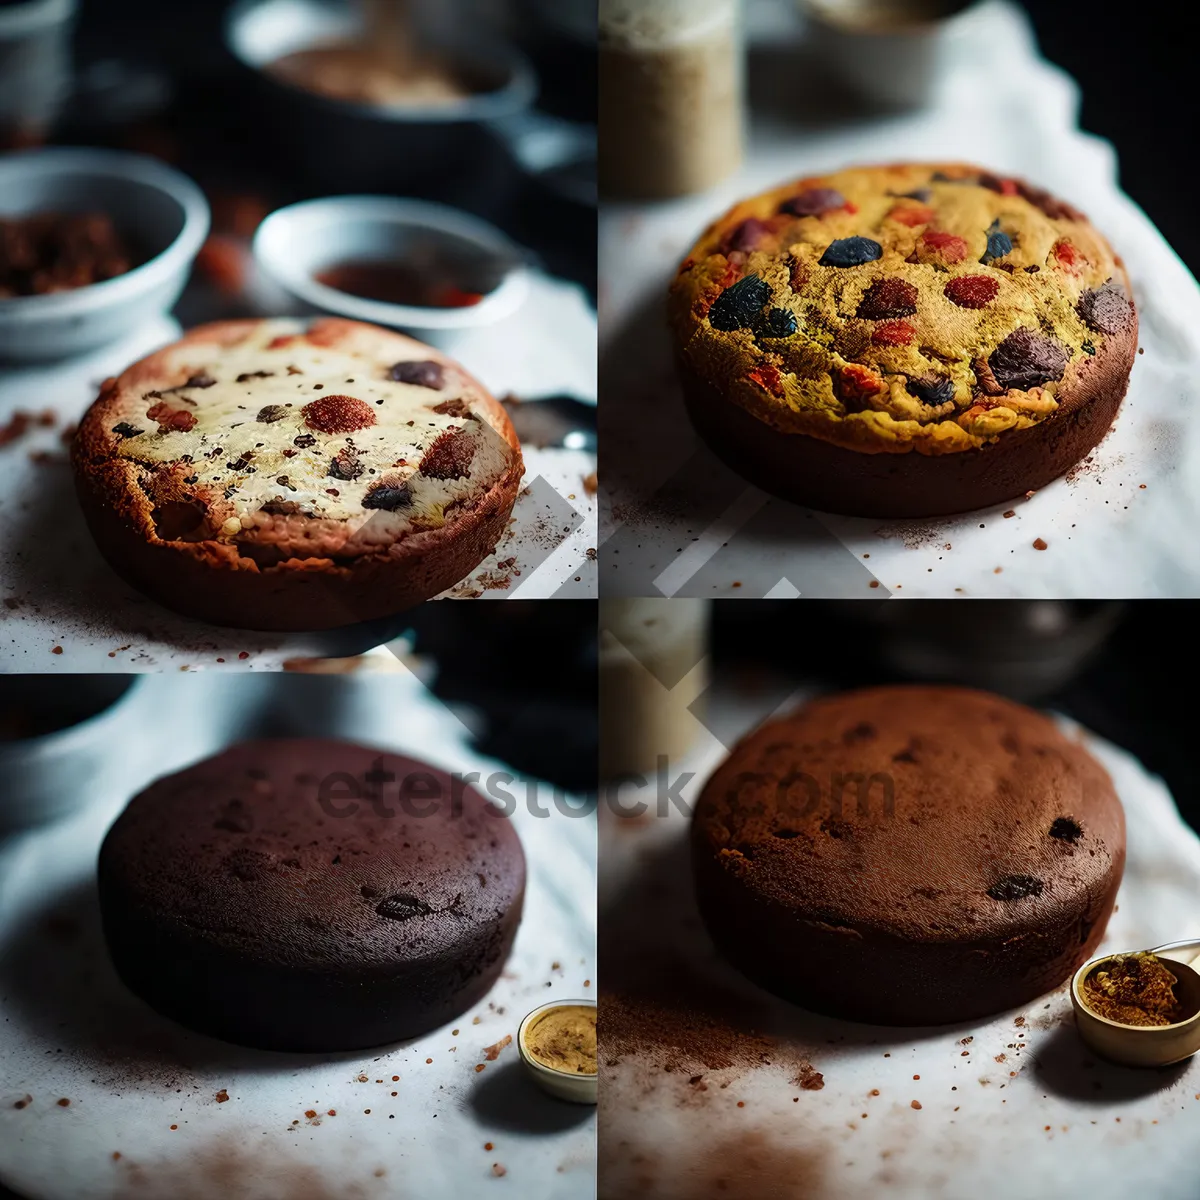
[(931, 307)]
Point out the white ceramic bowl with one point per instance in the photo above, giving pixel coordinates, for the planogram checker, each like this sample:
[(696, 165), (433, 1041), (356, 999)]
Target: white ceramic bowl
[(54, 774), (296, 242), (163, 212), (579, 1089)]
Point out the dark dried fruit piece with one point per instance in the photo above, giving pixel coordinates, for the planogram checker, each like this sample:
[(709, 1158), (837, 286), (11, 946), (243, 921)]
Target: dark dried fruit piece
[(271, 412), (450, 456), (995, 183), (279, 507), (338, 414), (814, 202), (998, 243), (202, 380), (345, 464), (738, 306), (125, 430), (931, 389), (402, 907), (778, 323), (425, 373), (972, 291), (1066, 830), (1054, 208), (304, 440), (924, 195), (453, 408), (1105, 309), (1026, 359), (747, 236), (1015, 887), (254, 375), (851, 252), (388, 497), (888, 298), (171, 420)]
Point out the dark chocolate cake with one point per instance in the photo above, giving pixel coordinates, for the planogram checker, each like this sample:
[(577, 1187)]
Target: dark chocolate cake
[(310, 895), (908, 855)]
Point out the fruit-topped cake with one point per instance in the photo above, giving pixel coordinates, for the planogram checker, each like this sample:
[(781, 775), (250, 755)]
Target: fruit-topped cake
[(286, 475), (900, 341)]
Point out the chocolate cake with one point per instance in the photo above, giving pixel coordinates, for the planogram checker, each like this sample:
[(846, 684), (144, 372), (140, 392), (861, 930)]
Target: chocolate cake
[(908, 855), (310, 895)]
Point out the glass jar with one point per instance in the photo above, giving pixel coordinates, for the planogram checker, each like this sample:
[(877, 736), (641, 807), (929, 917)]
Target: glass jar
[(653, 667), (671, 96)]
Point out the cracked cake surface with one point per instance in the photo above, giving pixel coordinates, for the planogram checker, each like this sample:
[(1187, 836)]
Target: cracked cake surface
[(282, 450), (936, 308)]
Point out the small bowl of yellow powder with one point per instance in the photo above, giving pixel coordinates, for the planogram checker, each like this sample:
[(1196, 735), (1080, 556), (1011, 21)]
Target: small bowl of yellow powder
[(557, 1043), (1142, 1008)]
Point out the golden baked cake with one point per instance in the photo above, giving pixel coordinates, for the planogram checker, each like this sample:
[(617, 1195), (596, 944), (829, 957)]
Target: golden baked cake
[(287, 476), (900, 341)]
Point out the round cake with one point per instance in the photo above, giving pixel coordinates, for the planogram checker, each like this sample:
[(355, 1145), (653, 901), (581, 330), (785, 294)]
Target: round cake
[(310, 895), (908, 855), (272, 475), (903, 341)]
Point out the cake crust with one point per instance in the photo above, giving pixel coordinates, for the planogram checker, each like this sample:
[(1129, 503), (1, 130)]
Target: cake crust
[(966, 863), (271, 475), (910, 313)]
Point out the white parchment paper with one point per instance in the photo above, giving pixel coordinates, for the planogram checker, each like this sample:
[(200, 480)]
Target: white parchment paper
[(1120, 525), (1002, 1109), (143, 1117), (56, 590)]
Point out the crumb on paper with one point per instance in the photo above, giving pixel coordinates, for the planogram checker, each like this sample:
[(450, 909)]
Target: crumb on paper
[(1040, 544), (491, 1053), (222, 1096), (591, 484), (498, 1170)]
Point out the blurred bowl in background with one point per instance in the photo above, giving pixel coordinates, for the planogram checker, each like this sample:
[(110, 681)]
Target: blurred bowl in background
[(363, 145), (1022, 649), (296, 244), (59, 738), (891, 54), (156, 209)]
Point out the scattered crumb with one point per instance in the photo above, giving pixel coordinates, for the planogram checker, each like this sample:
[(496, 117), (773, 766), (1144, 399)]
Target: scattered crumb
[(64, 1103), (497, 1169), (1040, 544), (1010, 513), (222, 1096), (57, 650), (480, 1067), (915, 1104), (491, 1053)]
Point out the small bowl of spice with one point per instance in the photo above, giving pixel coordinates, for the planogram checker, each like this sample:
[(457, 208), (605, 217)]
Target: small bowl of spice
[(557, 1044), (1140, 1009), (413, 265)]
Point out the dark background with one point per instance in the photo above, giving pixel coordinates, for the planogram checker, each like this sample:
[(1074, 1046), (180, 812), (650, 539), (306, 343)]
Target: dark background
[(1135, 689), (1136, 71), (154, 75)]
